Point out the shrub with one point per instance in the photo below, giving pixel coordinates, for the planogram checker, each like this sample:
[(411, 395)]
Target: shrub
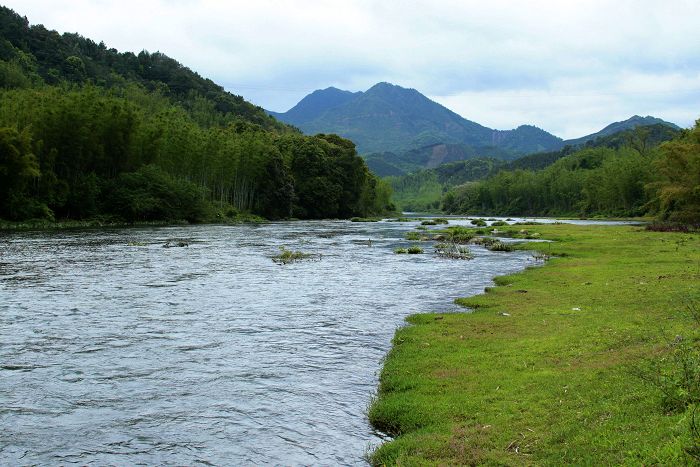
[(459, 234), (413, 236), (500, 246), (289, 256)]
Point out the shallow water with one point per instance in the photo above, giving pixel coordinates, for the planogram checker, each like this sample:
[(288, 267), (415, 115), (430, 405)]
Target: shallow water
[(115, 350)]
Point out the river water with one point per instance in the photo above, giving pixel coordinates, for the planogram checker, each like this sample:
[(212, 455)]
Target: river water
[(117, 351)]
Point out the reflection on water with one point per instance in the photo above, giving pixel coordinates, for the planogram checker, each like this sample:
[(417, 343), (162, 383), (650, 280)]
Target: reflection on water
[(116, 350)]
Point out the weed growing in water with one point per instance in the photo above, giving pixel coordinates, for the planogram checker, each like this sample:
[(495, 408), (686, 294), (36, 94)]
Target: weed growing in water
[(412, 236), (459, 234), (289, 256), (453, 251)]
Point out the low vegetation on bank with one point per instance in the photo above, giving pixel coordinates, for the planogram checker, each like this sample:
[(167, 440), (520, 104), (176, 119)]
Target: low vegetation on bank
[(569, 363)]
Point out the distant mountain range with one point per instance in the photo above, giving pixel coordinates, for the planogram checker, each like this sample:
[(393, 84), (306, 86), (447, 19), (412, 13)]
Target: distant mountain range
[(391, 122)]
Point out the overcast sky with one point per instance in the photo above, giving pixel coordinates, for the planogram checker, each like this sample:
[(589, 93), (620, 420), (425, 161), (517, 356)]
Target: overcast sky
[(569, 67)]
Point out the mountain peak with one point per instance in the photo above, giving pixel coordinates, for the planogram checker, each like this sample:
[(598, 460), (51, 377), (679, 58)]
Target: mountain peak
[(615, 127), (315, 104), (383, 88)]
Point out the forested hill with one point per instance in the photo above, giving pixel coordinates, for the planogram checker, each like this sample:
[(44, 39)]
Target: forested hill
[(423, 190), (632, 179), (641, 138), (88, 132), (616, 127), (76, 59)]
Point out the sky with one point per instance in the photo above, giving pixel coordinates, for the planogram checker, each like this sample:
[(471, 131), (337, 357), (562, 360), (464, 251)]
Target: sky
[(568, 66)]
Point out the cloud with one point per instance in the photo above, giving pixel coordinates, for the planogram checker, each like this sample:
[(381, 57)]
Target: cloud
[(568, 67)]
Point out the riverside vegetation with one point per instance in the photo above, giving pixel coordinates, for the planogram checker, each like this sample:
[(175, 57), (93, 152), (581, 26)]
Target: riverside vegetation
[(570, 363), (645, 171), (87, 132)]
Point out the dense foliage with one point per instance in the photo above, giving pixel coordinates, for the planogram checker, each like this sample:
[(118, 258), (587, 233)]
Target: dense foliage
[(155, 142), (428, 157), (631, 180), (423, 190)]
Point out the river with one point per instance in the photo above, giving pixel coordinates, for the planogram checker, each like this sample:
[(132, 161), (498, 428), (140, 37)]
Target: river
[(117, 351)]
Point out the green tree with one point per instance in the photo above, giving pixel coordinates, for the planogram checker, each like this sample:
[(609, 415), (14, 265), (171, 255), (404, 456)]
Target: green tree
[(679, 167)]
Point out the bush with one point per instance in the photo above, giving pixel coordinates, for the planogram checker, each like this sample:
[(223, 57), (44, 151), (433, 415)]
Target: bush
[(413, 236), (289, 256), (415, 250), (150, 194), (500, 246), (459, 234)]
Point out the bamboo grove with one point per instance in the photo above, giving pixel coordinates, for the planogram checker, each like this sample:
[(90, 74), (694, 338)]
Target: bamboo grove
[(86, 131)]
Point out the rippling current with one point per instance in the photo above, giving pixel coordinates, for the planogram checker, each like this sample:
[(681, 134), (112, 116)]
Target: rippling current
[(115, 350)]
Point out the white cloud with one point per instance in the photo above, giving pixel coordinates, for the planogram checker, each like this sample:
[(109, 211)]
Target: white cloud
[(568, 67)]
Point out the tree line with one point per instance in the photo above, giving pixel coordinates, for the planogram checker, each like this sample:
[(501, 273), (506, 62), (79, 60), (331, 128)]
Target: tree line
[(630, 180)]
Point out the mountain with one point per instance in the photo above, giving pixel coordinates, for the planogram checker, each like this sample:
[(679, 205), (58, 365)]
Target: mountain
[(315, 104), (652, 136), (616, 127), (391, 118)]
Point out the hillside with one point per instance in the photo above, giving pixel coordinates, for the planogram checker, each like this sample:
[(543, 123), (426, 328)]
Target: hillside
[(638, 178), (423, 189), (390, 118), (89, 133), (427, 157), (69, 57), (642, 138), (616, 127)]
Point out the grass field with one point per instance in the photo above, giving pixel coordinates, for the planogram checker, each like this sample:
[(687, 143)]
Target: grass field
[(561, 364)]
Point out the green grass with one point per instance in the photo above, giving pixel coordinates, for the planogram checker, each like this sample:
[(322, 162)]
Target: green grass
[(545, 370)]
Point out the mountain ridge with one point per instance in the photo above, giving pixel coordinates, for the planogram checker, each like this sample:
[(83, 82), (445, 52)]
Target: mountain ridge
[(390, 118)]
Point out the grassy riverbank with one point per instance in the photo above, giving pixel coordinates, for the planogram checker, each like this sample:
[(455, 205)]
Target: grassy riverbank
[(547, 369), (108, 222)]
